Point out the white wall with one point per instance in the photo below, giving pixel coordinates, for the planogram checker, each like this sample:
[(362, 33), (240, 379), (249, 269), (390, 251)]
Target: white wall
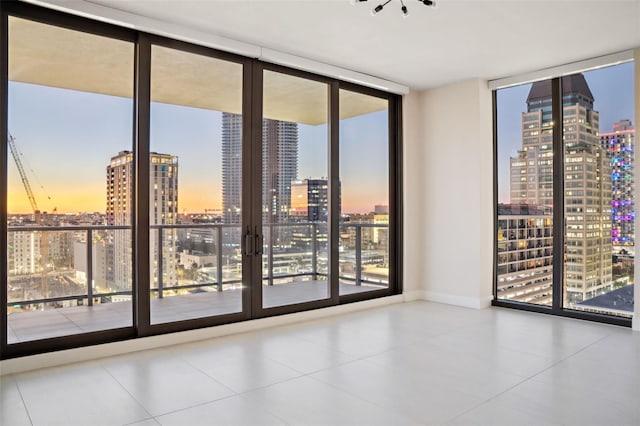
[(413, 196), (448, 181)]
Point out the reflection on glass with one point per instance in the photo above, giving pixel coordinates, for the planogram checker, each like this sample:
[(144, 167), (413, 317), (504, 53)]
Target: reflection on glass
[(599, 182), (295, 194), (195, 186), (525, 194), (69, 258), (364, 176)]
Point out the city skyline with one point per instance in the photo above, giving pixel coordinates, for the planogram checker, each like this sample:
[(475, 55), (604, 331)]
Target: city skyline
[(613, 100), (65, 119)]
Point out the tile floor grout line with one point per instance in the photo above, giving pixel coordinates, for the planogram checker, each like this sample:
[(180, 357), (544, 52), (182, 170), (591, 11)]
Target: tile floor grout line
[(186, 408), (143, 420), (125, 389), (200, 404), (354, 395), (526, 379), (24, 403), (268, 410), (195, 367)]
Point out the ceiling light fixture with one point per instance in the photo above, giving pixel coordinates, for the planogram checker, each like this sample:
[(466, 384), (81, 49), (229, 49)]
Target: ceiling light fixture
[(403, 7)]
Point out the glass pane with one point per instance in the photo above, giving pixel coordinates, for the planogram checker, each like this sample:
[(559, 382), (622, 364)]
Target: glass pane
[(295, 202), (525, 194), (364, 204), (195, 186), (599, 183), (69, 239)]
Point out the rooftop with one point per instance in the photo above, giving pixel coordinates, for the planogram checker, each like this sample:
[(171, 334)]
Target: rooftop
[(617, 300)]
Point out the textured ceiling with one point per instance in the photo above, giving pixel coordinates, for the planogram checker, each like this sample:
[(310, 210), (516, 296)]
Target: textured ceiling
[(458, 40)]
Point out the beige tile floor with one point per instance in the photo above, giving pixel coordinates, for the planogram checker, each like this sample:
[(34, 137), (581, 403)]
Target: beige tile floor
[(404, 364)]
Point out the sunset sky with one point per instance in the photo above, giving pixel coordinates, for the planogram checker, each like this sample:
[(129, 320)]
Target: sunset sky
[(67, 138)]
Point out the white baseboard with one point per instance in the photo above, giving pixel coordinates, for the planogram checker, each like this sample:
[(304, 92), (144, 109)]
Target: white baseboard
[(451, 299), (72, 356), (412, 296)]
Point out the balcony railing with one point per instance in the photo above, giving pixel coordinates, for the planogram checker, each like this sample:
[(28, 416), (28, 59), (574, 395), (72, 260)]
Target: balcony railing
[(308, 247)]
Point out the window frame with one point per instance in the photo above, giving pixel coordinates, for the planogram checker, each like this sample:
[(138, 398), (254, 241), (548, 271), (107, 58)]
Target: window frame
[(558, 228)]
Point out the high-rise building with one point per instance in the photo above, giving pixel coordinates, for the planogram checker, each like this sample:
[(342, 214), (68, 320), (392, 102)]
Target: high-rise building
[(231, 167), (310, 203), (525, 254), (279, 169), (99, 267), (619, 146), (310, 200), (30, 252), (587, 182), (163, 210), (23, 252)]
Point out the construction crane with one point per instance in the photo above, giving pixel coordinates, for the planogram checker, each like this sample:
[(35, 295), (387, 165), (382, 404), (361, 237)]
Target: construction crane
[(23, 175), (44, 239)]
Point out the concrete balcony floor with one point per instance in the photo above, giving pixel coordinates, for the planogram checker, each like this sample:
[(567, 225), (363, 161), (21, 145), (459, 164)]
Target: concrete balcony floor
[(35, 325)]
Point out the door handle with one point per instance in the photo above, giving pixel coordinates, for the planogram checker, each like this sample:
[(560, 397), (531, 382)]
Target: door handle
[(248, 248), (252, 243), (259, 243)]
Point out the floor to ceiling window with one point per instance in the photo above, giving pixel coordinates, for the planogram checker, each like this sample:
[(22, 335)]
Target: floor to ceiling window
[(156, 186), (364, 204), (295, 190), (524, 269), (69, 247), (599, 138), (565, 178), (195, 185)]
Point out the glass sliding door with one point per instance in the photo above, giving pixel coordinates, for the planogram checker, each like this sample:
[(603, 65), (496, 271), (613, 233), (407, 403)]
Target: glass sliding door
[(599, 138), (295, 190), (364, 200), (69, 244), (195, 187), (525, 194)]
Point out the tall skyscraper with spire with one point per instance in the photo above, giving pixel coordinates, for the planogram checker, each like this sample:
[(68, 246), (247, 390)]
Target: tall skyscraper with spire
[(587, 182)]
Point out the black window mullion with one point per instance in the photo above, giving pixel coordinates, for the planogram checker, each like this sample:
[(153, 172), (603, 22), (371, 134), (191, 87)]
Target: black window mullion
[(252, 190), (4, 88), (395, 195), (141, 221), (334, 192), (248, 71), (494, 103), (558, 195)]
